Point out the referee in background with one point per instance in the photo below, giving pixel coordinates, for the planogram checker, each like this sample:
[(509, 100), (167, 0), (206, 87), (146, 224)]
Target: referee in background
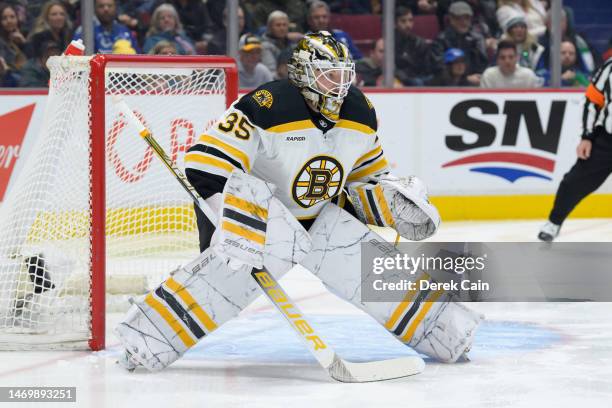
[(594, 152)]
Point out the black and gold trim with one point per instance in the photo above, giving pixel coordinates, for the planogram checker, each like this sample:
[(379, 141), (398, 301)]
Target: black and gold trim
[(289, 107), (411, 312), (178, 310), (245, 219), (370, 164), (183, 315)]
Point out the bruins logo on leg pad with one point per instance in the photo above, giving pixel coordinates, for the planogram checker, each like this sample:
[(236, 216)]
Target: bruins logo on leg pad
[(319, 179)]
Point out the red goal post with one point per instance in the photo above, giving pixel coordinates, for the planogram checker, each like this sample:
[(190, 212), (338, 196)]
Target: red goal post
[(97, 92), (88, 198)]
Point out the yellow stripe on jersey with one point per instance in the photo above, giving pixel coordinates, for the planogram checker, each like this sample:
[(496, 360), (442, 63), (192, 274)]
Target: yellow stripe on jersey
[(243, 232), (369, 155), (171, 320), (421, 315), (401, 308), (384, 207), (191, 303), (288, 127), (247, 206), (370, 170), (228, 149), (199, 158), (360, 127)]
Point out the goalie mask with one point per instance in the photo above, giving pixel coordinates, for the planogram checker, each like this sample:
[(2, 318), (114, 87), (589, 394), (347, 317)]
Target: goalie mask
[(322, 68)]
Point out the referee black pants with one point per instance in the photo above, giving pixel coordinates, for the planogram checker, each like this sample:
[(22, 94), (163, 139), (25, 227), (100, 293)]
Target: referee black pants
[(584, 177)]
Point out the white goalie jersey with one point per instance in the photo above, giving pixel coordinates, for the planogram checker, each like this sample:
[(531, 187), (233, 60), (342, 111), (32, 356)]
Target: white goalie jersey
[(272, 134)]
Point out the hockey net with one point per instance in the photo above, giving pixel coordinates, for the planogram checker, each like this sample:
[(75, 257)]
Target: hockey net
[(92, 207)]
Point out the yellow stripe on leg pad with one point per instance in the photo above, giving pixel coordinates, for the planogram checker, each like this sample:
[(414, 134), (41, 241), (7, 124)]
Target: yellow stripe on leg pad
[(191, 303), (421, 315), (171, 320), (401, 308)]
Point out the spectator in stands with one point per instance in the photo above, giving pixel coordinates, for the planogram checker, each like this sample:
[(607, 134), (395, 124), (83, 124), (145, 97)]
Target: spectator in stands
[(52, 24), (135, 15), (419, 6), (165, 25), (588, 58), (164, 48), (454, 72), (350, 6), (571, 73), (282, 71), (484, 20), (196, 22), (458, 34), (412, 53), (318, 20), (218, 43), (216, 9), (531, 10), (259, 10), (35, 73), (12, 43), (21, 9), (107, 30), (529, 50), (507, 73), (276, 39), (369, 70), (251, 72)]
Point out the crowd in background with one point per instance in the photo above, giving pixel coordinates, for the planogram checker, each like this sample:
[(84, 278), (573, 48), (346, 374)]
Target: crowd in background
[(486, 43)]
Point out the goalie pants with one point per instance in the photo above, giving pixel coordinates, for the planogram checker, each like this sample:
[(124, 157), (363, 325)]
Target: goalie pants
[(584, 177)]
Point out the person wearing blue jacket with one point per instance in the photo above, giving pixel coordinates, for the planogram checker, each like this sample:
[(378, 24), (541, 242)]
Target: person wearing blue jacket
[(107, 30)]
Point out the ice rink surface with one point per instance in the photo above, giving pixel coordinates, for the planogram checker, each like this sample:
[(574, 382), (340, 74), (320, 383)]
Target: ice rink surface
[(525, 354)]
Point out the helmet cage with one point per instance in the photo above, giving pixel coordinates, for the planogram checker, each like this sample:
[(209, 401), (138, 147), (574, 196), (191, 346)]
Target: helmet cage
[(329, 78)]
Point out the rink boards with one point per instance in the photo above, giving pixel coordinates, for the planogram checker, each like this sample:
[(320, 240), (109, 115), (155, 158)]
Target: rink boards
[(483, 154)]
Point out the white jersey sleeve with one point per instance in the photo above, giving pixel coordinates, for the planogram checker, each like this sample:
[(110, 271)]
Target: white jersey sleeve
[(230, 143)]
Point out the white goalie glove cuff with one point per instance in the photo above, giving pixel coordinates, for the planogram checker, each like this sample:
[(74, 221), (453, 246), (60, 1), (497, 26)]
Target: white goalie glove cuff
[(397, 202)]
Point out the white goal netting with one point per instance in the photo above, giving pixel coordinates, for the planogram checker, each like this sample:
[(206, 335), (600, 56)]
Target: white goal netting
[(45, 246)]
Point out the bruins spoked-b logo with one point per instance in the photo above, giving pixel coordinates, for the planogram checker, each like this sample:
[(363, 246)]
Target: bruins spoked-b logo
[(320, 179)]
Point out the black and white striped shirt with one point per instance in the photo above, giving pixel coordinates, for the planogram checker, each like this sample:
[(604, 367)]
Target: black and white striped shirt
[(597, 115)]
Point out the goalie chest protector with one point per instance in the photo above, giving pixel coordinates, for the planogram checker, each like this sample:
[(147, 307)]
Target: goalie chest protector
[(271, 133)]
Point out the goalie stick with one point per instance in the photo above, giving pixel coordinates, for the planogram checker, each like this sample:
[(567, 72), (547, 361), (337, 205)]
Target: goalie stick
[(338, 368)]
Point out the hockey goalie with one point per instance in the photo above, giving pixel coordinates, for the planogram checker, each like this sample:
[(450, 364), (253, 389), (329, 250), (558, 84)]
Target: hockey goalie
[(294, 171)]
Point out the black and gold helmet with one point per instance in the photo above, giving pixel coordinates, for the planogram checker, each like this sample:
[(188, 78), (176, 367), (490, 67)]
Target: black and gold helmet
[(322, 68)]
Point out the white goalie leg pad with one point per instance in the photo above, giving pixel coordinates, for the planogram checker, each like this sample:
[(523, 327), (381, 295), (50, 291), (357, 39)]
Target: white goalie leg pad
[(429, 321), (256, 228), (398, 203), (192, 303)]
